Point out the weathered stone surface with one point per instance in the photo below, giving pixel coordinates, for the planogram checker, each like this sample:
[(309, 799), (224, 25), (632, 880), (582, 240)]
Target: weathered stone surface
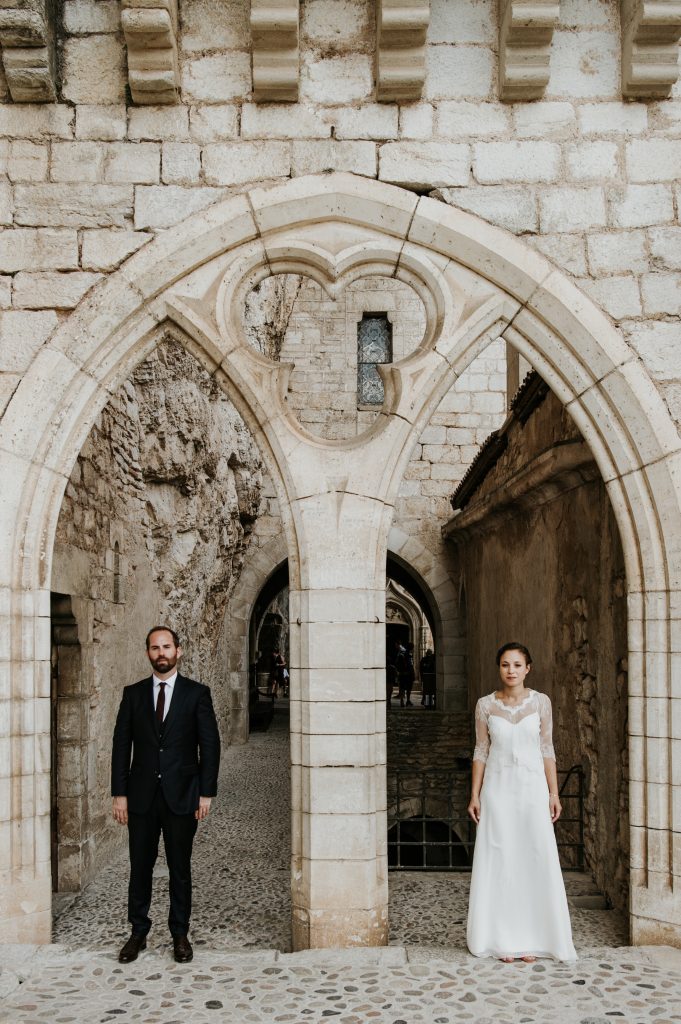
[(239, 162), (90, 17), (77, 161), (497, 162), (93, 70), (425, 165), (138, 163), (162, 205), (36, 122), (214, 123), (27, 161), (50, 290), (639, 206), (83, 206), (105, 249), (313, 157), (107, 123), (159, 124), (567, 209), (180, 163), (21, 335), (512, 208), (41, 249), (217, 78)]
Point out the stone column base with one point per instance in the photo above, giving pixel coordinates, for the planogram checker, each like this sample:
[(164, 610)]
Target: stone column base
[(329, 929)]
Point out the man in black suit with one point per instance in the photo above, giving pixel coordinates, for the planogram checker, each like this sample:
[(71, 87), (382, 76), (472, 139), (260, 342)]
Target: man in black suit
[(168, 724)]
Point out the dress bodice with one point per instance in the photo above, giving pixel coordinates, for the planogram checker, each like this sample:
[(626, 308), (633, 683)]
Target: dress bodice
[(519, 734)]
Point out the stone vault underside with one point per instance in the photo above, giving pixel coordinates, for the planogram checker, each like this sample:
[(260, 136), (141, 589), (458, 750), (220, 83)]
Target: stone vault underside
[(336, 499)]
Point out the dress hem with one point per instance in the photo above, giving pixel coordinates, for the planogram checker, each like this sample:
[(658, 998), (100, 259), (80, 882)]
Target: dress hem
[(498, 955)]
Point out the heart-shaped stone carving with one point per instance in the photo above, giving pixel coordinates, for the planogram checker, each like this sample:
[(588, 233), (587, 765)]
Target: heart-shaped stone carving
[(335, 390)]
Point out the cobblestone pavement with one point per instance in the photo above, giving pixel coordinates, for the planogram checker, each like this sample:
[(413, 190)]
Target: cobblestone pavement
[(243, 973)]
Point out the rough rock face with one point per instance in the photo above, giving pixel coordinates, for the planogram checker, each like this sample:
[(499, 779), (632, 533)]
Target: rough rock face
[(201, 479)]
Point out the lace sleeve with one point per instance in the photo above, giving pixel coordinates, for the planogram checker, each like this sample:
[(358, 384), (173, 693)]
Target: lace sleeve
[(481, 734), (546, 727)]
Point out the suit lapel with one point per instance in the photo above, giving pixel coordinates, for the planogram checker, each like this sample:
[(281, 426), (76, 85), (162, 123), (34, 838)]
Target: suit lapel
[(179, 696)]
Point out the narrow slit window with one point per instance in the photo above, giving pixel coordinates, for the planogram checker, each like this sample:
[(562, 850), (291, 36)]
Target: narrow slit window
[(374, 346)]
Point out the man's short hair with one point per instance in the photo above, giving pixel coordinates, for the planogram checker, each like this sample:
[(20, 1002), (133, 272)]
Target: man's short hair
[(163, 629)]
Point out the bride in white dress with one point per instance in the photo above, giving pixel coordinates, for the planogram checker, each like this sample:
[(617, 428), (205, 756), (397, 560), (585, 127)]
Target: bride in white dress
[(517, 907)]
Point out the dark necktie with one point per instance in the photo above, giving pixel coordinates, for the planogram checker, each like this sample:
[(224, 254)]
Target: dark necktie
[(161, 703)]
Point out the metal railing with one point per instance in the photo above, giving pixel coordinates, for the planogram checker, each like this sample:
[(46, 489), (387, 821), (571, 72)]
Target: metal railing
[(429, 829)]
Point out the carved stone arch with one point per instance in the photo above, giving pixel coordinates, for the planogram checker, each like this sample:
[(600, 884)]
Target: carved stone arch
[(478, 283)]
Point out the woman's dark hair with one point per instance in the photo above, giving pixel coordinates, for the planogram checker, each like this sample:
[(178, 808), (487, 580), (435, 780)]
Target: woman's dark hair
[(513, 646), (163, 629)]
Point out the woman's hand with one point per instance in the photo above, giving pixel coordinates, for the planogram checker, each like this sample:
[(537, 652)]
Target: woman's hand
[(474, 809), (554, 807)]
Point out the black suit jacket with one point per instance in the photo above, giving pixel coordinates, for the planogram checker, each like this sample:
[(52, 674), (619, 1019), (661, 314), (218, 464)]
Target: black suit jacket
[(182, 758)]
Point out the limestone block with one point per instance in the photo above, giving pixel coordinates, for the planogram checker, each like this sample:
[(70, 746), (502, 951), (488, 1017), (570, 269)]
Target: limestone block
[(341, 78), (611, 118), (651, 30), (458, 72), (50, 290), (107, 123), (372, 121), (233, 163), (77, 161), (654, 159), (83, 206), (93, 69), (27, 39), (214, 123), (160, 206), (21, 335), (640, 206), (661, 294), (89, 17), (217, 78), (150, 29), (36, 122), (618, 296), (512, 208), (525, 35), (41, 249), (456, 118), (274, 43), (316, 157), (571, 209), (181, 163), (27, 161), (593, 161), (5, 292), (135, 162), (5, 203), (158, 124), (325, 22), (105, 249), (584, 65), (471, 23), (425, 165), (272, 121), (665, 247), (567, 251), (401, 26), (544, 120), (497, 162), (617, 253), (416, 121)]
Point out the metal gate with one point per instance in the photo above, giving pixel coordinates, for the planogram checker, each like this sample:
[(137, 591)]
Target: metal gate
[(429, 829)]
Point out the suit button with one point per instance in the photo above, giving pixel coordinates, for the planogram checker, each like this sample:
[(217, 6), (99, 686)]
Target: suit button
[(160, 749), (158, 776)]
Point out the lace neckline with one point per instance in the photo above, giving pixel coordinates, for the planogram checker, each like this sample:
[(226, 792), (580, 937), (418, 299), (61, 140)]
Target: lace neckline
[(512, 708)]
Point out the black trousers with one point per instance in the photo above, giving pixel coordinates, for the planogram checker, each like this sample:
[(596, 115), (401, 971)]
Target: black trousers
[(144, 832)]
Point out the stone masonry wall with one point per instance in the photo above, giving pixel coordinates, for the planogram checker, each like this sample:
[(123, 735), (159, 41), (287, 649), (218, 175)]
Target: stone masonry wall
[(165, 490)]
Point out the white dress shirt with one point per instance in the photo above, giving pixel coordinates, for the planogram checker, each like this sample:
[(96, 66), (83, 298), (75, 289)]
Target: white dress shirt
[(167, 693)]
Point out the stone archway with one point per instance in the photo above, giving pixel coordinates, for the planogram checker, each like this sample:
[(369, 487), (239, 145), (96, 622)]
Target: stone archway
[(477, 284)]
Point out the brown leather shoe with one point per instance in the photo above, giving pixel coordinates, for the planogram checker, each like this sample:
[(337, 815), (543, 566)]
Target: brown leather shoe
[(132, 948), (183, 949)]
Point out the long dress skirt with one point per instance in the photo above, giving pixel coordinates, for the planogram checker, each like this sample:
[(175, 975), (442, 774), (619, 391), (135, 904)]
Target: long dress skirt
[(517, 902)]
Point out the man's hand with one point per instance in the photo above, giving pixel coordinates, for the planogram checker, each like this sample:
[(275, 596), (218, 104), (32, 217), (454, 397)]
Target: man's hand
[(204, 807), (120, 809)]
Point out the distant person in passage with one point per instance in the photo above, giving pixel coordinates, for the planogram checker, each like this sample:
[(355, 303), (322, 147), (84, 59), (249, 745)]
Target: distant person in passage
[(276, 677), (427, 673), (404, 664), (167, 725)]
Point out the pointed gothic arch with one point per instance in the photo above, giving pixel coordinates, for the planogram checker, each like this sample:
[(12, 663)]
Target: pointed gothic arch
[(477, 283)]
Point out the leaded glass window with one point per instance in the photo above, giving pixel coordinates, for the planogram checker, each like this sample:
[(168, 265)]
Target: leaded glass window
[(374, 346)]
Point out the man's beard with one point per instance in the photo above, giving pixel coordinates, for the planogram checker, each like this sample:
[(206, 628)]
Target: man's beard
[(164, 664)]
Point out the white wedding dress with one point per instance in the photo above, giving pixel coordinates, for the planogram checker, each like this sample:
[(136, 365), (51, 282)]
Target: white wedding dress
[(517, 901)]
